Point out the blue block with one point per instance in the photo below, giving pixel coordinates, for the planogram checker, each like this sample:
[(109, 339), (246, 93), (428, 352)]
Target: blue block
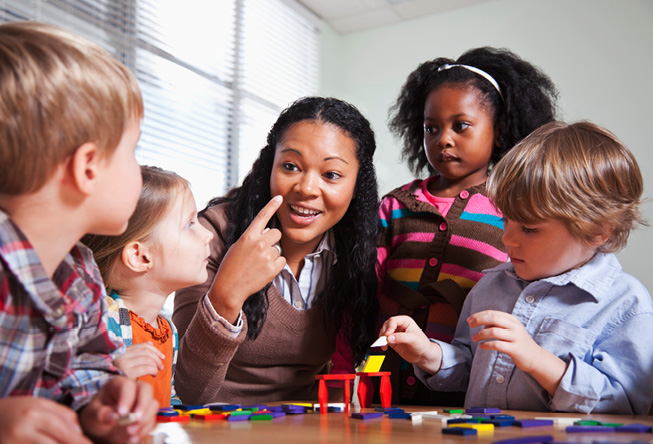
[(533, 422), (499, 422), (526, 440), (459, 421), (589, 429), (458, 431), (399, 415), (167, 414), (502, 417), (481, 415), (189, 407), (635, 428), (225, 407), (367, 415), (388, 409)]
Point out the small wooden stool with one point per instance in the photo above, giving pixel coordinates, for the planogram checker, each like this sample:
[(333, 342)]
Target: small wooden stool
[(323, 394), (365, 384)]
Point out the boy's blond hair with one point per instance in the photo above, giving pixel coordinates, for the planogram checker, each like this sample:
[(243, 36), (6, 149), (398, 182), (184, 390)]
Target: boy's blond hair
[(160, 189), (579, 174), (57, 92)]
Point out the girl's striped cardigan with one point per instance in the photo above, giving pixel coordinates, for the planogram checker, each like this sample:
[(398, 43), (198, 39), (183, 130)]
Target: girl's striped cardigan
[(119, 323), (428, 263)]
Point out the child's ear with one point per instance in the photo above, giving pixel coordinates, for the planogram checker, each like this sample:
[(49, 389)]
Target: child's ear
[(602, 237), (84, 167), (137, 257)]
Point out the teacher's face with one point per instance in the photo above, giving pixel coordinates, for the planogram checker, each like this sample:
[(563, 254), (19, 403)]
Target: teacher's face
[(314, 169)]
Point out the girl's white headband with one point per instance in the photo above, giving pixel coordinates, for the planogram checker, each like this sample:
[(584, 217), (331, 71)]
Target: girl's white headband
[(480, 72)]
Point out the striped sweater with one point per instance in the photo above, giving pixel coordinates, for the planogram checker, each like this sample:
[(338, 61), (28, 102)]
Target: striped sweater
[(428, 263)]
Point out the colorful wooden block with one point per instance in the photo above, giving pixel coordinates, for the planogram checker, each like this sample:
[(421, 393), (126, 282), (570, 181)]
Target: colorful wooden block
[(210, 417), (459, 431), (370, 415), (399, 415), (533, 422), (225, 407), (482, 410), (373, 363), (589, 429), (526, 440), (180, 418), (479, 427), (454, 411), (634, 428)]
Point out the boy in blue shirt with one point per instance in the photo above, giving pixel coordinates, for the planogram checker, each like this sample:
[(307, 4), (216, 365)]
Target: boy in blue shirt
[(560, 327), (69, 123)]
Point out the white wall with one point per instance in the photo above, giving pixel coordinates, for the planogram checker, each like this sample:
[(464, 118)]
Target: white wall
[(598, 52)]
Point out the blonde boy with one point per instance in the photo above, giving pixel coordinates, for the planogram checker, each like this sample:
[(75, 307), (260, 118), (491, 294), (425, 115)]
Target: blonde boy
[(69, 123), (561, 327)]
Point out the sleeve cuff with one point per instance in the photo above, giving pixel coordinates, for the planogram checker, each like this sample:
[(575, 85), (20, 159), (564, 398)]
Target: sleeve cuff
[(221, 323)]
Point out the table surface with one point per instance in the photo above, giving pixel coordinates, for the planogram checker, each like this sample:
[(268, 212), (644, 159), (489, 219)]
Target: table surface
[(338, 428)]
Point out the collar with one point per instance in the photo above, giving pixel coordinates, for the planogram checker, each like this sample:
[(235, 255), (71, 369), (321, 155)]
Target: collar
[(596, 277)]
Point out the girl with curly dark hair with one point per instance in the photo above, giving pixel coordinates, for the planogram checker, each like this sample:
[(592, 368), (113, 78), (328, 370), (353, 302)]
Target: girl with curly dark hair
[(456, 119), (291, 266)]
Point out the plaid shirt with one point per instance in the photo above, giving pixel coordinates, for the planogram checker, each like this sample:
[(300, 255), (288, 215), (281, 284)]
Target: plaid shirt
[(54, 341)]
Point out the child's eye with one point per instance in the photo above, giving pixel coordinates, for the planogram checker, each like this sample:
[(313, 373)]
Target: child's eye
[(428, 129), (461, 126), (528, 230)]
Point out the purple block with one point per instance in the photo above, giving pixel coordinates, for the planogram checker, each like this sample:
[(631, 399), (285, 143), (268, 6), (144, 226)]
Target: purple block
[(526, 440), (481, 415), (459, 431), (238, 418), (503, 417), (277, 414), (275, 408), (483, 410), (388, 409), (635, 428), (533, 422), (590, 429), (367, 415)]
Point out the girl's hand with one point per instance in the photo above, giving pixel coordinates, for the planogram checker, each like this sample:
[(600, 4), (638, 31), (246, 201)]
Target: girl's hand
[(33, 420), (140, 360), (123, 411), (407, 339), (249, 265), (505, 333)]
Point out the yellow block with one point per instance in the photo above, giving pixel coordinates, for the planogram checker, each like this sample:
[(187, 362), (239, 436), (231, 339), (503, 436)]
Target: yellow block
[(373, 363), (479, 427)]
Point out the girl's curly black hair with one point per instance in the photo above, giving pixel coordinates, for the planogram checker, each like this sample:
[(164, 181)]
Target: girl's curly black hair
[(349, 302), (528, 102)]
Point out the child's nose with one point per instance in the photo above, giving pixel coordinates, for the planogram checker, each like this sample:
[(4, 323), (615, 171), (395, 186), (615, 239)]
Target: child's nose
[(445, 139)]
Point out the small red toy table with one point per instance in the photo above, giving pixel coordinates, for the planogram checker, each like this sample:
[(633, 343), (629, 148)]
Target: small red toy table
[(323, 393)]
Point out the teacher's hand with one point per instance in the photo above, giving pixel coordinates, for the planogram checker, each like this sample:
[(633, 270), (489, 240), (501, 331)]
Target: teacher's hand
[(249, 265)]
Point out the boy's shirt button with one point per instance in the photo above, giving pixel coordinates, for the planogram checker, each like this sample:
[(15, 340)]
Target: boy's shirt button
[(530, 299), (500, 379)]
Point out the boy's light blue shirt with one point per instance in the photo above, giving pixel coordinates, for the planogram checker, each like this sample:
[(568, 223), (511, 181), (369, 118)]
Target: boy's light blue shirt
[(596, 318)]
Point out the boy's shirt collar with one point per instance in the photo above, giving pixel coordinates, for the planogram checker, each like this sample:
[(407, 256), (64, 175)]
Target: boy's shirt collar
[(57, 298), (595, 277)]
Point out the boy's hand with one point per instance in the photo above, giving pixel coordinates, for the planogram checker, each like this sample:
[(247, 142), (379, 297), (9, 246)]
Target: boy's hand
[(250, 264), (505, 333), (118, 398), (27, 419), (407, 339), (140, 360)]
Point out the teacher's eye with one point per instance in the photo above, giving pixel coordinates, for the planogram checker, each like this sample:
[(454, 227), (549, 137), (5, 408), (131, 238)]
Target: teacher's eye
[(332, 175), (289, 166)]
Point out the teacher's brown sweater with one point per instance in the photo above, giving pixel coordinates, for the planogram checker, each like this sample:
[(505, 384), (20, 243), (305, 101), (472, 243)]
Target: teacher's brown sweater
[(280, 364)]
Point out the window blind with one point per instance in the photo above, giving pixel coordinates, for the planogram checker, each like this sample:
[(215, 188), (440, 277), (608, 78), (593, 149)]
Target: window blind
[(214, 75)]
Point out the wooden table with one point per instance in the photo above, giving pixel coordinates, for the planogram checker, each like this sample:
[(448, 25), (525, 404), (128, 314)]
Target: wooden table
[(338, 428)]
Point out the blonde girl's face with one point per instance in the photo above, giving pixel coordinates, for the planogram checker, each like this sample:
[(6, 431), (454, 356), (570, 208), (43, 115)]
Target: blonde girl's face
[(458, 134), (180, 246)]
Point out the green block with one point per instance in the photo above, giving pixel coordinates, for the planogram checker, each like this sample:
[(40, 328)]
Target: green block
[(240, 413), (454, 411), (589, 422), (261, 417)]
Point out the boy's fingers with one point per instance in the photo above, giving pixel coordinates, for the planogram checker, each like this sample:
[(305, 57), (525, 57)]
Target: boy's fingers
[(263, 217)]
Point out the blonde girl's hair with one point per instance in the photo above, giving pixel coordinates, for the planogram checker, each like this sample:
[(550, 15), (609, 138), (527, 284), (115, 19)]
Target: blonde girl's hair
[(160, 187), (58, 92), (579, 174)]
